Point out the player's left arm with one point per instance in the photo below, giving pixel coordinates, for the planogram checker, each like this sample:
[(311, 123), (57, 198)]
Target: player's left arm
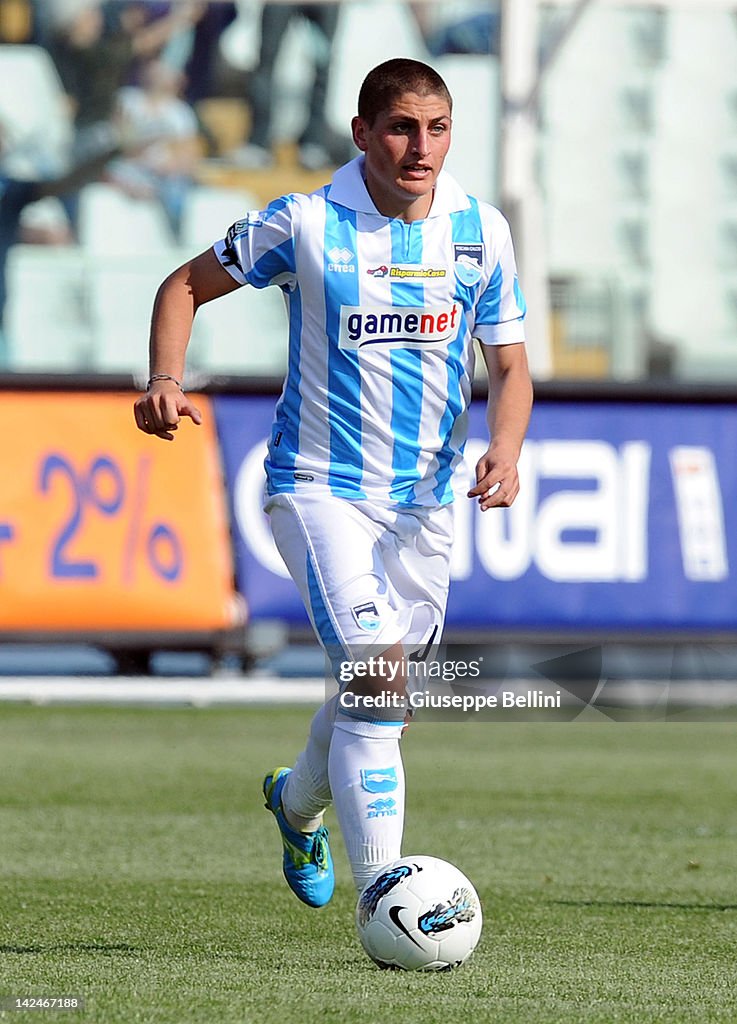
[(508, 414)]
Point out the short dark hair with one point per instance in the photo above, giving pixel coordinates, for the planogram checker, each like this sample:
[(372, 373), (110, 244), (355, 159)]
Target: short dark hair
[(392, 79)]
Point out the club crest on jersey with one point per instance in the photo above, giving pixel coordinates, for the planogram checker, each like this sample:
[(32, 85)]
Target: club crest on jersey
[(469, 263), (341, 260), (398, 326), (367, 616)]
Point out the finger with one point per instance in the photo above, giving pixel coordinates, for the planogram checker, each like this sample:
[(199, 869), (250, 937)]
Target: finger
[(139, 416), (498, 500), (167, 417), (159, 428), (501, 498), (490, 493), (148, 420), (484, 485), (479, 490), (142, 419), (195, 415), (182, 407), (187, 408)]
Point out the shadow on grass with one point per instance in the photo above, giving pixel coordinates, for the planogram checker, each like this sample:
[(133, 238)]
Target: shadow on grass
[(652, 904), (74, 947)]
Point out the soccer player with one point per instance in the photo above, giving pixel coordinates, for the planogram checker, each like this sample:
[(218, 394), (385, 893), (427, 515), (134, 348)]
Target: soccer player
[(389, 273)]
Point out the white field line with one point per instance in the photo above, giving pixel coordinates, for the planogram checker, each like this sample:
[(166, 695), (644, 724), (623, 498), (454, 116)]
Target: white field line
[(146, 690)]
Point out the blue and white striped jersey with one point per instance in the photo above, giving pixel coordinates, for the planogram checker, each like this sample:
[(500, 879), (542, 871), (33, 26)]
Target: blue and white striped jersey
[(381, 319)]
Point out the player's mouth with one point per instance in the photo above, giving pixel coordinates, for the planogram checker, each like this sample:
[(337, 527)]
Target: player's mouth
[(417, 172)]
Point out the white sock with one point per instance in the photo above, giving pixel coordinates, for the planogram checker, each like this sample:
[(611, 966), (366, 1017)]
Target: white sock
[(306, 792), (367, 782)]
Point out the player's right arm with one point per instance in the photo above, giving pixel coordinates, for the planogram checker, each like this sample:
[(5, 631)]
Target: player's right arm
[(200, 280)]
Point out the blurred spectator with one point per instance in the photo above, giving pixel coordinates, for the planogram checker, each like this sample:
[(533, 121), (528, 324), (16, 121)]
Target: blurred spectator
[(165, 130), (94, 58), (314, 144), (463, 27), (202, 69), (135, 16)]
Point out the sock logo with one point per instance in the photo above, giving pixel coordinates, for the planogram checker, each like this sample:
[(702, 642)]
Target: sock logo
[(379, 780), (382, 808)]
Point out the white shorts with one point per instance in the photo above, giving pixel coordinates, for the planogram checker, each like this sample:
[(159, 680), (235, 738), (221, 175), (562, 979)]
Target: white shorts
[(369, 576)]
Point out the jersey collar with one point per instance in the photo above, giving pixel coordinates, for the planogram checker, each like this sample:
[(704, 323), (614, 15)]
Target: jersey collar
[(348, 189)]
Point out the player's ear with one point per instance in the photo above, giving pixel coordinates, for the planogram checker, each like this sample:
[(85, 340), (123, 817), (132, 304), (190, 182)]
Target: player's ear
[(359, 129)]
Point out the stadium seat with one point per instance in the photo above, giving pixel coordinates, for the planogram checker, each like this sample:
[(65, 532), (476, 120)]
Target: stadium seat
[(47, 325), (113, 223), (209, 212), (120, 298), (33, 112), (128, 249)]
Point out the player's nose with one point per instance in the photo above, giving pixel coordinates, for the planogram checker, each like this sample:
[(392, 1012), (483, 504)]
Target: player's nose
[(421, 142)]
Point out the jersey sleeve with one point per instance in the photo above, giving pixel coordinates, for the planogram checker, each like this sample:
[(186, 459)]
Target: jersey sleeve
[(260, 249), (501, 307)]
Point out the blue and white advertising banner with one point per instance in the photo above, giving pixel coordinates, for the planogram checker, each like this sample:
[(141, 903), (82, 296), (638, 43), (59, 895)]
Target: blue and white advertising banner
[(625, 521)]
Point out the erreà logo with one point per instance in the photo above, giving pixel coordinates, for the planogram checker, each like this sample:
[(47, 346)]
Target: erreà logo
[(341, 260), (398, 326)]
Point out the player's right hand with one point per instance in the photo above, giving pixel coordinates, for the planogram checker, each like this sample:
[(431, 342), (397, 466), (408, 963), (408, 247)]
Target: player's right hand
[(160, 410)]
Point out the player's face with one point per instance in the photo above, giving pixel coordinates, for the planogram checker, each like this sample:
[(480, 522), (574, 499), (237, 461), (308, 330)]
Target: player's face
[(405, 150)]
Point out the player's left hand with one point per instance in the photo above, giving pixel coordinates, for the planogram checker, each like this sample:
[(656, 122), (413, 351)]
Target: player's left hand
[(497, 481)]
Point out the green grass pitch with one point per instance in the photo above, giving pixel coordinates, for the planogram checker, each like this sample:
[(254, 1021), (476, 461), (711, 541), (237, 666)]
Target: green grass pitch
[(139, 870)]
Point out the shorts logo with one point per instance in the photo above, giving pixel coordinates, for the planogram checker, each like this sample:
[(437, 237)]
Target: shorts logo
[(469, 263), (379, 780), (341, 260), (398, 326), (382, 808), (367, 616)]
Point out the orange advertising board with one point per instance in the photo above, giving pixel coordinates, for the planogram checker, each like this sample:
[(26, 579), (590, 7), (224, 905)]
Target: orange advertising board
[(104, 527)]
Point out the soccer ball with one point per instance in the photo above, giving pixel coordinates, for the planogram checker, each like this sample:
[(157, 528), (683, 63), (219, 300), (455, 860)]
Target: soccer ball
[(419, 914)]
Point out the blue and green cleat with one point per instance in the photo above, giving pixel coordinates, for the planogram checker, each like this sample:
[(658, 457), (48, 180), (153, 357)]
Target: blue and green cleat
[(308, 866)]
